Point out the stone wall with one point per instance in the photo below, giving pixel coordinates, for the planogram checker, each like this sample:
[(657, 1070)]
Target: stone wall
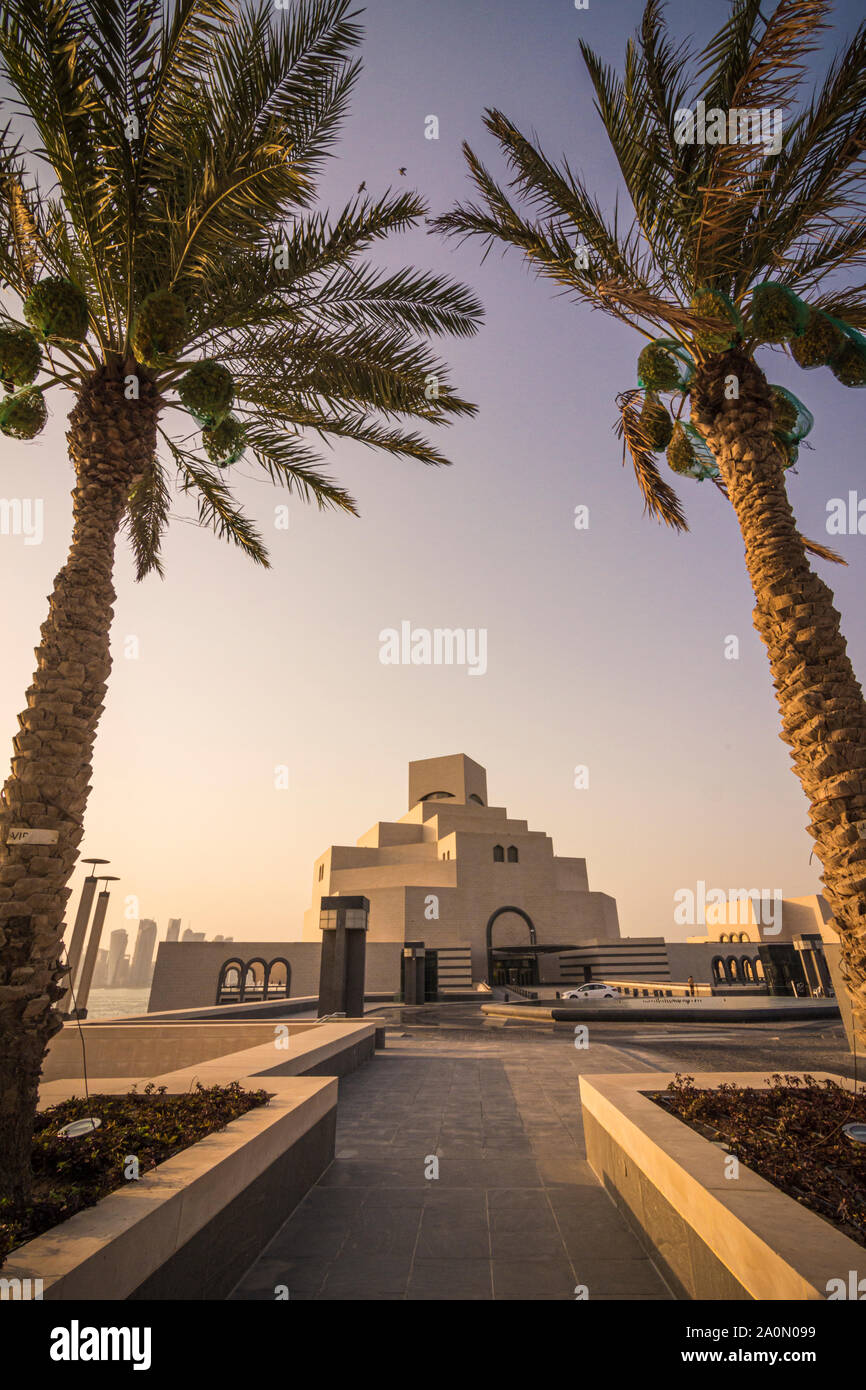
[(187, 973)]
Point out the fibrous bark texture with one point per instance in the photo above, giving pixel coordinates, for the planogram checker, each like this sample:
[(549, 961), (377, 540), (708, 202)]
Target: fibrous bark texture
[(820, 699), (112, 438)]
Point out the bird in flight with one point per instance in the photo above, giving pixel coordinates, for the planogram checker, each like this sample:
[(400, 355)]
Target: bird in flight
[(362, 186), (402, 171)]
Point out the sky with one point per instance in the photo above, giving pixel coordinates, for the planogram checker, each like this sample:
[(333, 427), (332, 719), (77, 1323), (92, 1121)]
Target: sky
[(257, 725)]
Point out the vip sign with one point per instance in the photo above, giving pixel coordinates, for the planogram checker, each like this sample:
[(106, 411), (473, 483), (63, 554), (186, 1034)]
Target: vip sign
[(22, 835)]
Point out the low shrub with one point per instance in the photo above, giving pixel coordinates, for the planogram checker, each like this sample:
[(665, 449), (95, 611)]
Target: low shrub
[(70, 1175), (790, 1134)]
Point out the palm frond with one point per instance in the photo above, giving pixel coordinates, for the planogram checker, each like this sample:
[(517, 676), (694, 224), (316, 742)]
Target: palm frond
[(547, 249), (289, 462), (188, 30), (816, 192), (738, 172), (660, 499), (185, 141), (286, 279), (364, 366), (638, 116), (242, 150), (726, 57), (847, 304), (357, 426), (146, 519), (652, 308), (217, 509), (822, 551), (20, 239), (47, 61)]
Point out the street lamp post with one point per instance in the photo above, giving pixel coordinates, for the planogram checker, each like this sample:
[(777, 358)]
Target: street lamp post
[(79, 931), (93, 946)]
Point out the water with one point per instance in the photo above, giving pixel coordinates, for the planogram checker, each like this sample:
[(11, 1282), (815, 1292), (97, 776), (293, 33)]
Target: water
[(114, 1003)]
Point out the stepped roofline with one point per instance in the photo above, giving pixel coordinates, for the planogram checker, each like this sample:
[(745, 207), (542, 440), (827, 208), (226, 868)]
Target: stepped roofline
[(454, 778)]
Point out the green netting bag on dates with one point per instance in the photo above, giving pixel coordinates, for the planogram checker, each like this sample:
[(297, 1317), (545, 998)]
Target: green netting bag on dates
[(791, 419), (665, 365), (849, 365)]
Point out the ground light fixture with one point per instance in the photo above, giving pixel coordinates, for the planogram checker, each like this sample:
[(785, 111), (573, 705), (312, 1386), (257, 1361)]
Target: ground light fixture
[(855, 1132), (79, 1129)]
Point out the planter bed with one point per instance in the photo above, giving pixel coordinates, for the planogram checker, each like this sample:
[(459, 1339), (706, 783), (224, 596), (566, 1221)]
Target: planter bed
[(791, 1133), (711, 1235), (193, 1225), (72, 1175)]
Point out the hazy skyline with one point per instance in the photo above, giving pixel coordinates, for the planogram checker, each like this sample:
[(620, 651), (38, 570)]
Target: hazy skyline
[(605, 647)]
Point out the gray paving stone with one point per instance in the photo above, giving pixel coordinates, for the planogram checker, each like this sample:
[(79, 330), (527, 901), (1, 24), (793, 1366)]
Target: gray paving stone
[(299, 1276), (383, 1230), (616, 1278), (357, 1274), (396, 1198), (442, 1237), (531, 1280), (516, 1213), (449, 1279)]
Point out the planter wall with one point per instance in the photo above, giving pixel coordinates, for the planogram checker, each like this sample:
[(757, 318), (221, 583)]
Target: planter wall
[(210, 1264), (190, 1228), (710, 1236), (142, 1049)]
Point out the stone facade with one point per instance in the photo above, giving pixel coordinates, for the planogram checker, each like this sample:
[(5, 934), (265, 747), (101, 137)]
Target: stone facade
[(187, 974), (451, 863)]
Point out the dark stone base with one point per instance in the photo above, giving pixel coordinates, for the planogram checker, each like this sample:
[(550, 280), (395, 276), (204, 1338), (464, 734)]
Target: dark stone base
[(338, 1064), (349, 1059), (562, 1014), (688, 1266), (212, 1262)]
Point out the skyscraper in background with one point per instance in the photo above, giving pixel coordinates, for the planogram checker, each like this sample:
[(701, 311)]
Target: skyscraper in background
[(142, 960), (117, 967), (100, 973), (173, 932)]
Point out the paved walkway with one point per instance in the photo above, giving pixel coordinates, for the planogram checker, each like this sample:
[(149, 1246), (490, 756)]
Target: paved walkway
[(515, 1213)]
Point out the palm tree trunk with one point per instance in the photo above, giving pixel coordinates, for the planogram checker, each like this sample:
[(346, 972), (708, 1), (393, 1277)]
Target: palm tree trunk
[(111, 440), (820, 699)]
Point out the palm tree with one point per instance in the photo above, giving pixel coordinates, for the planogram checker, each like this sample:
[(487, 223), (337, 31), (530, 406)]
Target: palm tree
[(722, 242), (176, 263)]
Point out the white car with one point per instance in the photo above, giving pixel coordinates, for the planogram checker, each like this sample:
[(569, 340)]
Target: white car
[(592, 991)]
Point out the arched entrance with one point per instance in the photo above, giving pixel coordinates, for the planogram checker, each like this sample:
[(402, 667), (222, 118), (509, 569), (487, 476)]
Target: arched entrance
[(229, 983), (507, 965), (278, 984)]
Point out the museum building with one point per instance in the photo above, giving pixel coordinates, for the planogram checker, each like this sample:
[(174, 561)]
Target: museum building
[(485, 894)]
